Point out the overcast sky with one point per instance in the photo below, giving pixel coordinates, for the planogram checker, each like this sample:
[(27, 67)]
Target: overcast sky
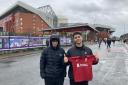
[(113, 13)]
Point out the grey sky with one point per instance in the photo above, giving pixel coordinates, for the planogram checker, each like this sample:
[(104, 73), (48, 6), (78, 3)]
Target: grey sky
[(107, 12)]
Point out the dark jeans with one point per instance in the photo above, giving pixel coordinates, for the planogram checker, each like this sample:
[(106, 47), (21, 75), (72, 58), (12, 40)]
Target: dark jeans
[(54, 81), (78, 83), (108, 45)]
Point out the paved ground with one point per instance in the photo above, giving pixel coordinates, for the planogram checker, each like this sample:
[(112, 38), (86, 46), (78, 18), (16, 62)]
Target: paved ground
[(111, 70)]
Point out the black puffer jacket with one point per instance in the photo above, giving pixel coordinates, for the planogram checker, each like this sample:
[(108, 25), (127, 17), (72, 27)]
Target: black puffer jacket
[(52, 61)]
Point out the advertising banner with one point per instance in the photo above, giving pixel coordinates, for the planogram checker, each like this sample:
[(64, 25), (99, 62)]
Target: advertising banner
[(0, 43), (18, 42), (5, 43), (35, 41), (65, 41)]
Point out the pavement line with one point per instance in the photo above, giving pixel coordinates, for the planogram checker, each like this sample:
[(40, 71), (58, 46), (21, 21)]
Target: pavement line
[(126, 65), (19, 55), (108, 72)]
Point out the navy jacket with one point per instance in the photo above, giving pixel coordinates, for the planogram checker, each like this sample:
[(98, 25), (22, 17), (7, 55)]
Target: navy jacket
[(77, 51)]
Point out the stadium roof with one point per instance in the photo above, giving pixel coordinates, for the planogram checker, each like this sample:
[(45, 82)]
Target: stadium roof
[(29, 8), (71, 25), (93, 26), (78, 24), (102, 26)]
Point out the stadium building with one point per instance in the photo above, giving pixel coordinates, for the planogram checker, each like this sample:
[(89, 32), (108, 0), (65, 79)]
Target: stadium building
[(22, 19)]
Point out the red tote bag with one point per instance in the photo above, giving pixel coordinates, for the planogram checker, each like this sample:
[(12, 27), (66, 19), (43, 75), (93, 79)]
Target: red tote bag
[(82, 67)]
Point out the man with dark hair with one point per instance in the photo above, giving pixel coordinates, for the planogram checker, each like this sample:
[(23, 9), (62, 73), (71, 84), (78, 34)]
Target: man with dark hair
[(76, 33), (79, 49), (52, 66)]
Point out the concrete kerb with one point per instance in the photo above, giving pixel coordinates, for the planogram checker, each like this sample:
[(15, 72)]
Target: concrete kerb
[(2, 57)]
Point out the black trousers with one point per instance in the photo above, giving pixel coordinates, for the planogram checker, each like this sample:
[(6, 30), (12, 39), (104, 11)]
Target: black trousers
[(78, 83), (54, 81), (108, 45)]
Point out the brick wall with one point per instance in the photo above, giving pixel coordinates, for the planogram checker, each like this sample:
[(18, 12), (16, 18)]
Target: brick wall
[(25, 24)]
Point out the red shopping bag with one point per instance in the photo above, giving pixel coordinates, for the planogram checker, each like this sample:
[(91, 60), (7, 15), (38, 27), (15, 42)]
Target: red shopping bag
[(82, 67)]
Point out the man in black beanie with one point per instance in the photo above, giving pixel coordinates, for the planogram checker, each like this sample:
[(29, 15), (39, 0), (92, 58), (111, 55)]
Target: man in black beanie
[(52, 66)]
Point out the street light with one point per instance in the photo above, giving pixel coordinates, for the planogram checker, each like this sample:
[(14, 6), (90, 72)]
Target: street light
[(86, 33)]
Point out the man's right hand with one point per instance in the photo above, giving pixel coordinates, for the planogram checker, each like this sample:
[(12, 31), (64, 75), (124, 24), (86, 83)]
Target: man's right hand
[(65, 59)]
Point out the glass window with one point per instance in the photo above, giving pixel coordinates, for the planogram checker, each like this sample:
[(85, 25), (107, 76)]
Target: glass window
[(21, 28), (21, 19), (34, 24), (21, 23), (34, 16)]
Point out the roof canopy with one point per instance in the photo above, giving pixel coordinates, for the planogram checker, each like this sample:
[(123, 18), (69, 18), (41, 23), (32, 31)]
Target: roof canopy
[(42, 14)]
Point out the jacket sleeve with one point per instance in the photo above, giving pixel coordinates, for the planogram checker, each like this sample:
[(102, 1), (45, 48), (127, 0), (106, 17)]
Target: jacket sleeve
[(68, 55), (90, 53), (64, 55), (96, 60), (42, 64)]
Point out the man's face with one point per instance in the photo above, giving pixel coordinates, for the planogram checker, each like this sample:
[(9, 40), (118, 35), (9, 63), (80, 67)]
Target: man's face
[(54, 43), (78, 39)]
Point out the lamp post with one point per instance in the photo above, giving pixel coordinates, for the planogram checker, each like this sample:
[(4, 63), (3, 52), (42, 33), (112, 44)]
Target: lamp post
[(96, 39), (29, 39), (86, 33)]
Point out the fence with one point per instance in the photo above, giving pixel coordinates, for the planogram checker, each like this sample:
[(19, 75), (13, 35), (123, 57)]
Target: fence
[(24, 42)]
